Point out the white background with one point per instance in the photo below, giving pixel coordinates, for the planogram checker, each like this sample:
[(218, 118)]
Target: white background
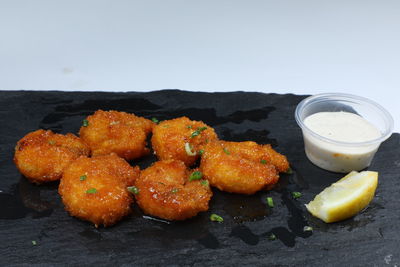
[(282, 46)]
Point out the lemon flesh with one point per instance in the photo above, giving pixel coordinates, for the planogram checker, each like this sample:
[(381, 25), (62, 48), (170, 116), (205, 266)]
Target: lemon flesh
[(345, 198)]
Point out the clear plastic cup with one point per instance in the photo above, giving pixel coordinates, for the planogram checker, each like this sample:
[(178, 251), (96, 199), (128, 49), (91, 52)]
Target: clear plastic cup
[(339, 156)]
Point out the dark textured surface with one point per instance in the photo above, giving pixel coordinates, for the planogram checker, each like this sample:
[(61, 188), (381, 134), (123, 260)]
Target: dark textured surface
[(35, 213)]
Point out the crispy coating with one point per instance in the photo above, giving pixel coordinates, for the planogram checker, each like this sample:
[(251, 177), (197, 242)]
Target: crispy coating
[(117, 132), (166, 192), (41, 156), (95, 189), (170, 136), (232, 172), (252, 151)]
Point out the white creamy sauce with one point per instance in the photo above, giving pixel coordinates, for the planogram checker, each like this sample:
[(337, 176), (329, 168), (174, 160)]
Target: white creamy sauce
[(344, 127)]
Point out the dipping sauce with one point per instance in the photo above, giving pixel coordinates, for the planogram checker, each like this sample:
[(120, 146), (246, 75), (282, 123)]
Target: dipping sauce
[(343, 152)]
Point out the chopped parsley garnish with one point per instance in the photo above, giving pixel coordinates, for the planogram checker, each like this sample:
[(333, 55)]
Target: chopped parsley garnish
[(85, 123), (204, 182), (270, 202), (155, 120), (189, 150), (198, 131), (52, 142), (91, 191), (133, 189), (307, 228), (83, 178), (189, 126), (34, 242), (226, 151), (201, 152), (296, 195), (272, 237), (216, 218), (263, 161), (196, 175), (175, 190), (289, 171)]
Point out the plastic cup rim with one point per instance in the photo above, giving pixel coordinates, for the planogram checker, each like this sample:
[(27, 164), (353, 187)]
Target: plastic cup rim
[(342, 96)]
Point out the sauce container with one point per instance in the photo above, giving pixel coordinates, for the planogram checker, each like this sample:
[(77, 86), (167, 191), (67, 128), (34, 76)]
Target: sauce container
[(339, 156)]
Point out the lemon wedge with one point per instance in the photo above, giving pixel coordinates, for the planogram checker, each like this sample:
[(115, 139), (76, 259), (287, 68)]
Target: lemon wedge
[(345, 198)]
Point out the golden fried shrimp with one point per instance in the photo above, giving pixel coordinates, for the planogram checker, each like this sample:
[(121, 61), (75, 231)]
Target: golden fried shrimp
[(41, 156), (116, 132), (259, 153), (181, 139), (95, 189), (230, 171), (168, 190)]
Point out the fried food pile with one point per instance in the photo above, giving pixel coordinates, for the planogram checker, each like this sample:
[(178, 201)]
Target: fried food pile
[(98, 184)]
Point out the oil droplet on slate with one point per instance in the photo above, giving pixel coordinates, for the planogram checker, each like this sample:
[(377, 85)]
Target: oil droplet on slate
[(209, 241), (244, 208), (11, 207), (24, 200), (245, 234)]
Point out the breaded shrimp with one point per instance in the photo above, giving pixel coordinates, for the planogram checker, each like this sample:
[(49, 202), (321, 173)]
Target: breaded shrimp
[(116, 132), (95, 189), (181, 139), (230, 171), (259, 153), (168, 190), (41, 156)]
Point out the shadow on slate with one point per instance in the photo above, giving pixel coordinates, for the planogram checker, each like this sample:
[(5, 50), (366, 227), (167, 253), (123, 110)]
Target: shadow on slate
[(35, 229)]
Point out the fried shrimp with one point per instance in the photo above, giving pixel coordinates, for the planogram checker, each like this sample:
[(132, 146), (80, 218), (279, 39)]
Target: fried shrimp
[(95, 189), (181, 139), (234, 170), (116, 132), (168, 190), (41, 156), (258, 153)]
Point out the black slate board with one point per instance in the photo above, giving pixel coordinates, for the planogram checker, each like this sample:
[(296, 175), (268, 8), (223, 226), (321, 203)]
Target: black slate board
[(35, 213)]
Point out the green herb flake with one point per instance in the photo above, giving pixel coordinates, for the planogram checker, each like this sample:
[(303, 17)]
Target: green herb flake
[(198, 131), (175, 190), (85, 123), (189, 126), (52, 142), (227, 151), (83, 178), (201, 152), (189, 150), (296, 195), (307, 229), (204, 182), (289, 171), (263, 161), (91, 191), (270, 202), (272, 237), (34, 242), (196, 175), (133, 189), (216, 218), (155, 120)]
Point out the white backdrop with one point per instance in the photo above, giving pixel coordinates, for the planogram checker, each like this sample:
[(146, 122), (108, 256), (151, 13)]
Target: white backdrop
[(282, 46)]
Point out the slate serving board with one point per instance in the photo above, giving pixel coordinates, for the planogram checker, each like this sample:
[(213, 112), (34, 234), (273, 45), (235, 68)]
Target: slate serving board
[(35, 229)]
